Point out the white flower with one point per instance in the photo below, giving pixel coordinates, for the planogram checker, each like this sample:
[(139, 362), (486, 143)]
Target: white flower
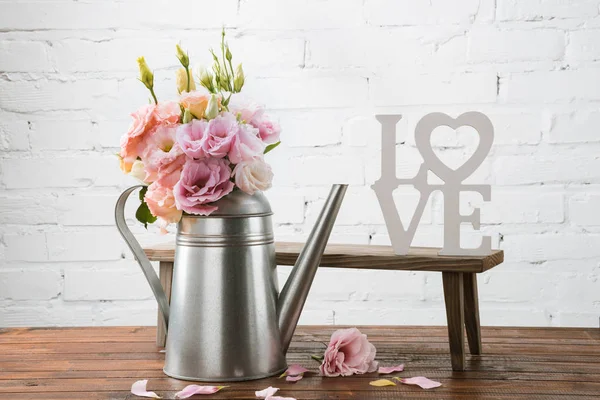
[(254, 175), (138, 171)]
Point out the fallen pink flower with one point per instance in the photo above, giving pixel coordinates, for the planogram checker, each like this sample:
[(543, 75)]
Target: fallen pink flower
[(191, 390), (294, 373), (421, 381), (139, 389), (268, 394), (389, 370)]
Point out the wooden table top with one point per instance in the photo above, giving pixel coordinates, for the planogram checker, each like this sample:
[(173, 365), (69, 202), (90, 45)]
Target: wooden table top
[(366, 257), (102, 363)]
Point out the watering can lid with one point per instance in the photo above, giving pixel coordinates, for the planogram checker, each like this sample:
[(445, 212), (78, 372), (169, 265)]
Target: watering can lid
[(239, 203)]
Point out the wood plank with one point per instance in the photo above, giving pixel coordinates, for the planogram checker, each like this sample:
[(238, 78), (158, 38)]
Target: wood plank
[(366, 257)]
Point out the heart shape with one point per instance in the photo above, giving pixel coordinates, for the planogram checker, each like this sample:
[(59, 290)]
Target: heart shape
[(474, 119)]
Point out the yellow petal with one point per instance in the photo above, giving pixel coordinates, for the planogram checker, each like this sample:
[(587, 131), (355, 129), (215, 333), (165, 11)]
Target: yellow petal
[(382, 382)]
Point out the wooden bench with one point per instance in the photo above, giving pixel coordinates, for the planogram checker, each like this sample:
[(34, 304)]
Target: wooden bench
[(458, 274)]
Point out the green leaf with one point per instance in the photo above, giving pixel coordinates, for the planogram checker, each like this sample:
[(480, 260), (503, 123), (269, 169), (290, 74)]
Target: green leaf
[(317, 357), (143, 213), (272, 146)]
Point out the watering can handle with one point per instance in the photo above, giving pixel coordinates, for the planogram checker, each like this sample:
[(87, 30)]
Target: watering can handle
[(139, 254)]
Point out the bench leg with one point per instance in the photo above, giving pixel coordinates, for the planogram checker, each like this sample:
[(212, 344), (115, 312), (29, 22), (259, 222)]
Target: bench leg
[(454, 296), (166, 279), (472, 313)]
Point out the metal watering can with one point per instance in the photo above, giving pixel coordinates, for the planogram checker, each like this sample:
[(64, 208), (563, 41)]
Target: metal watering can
[(226, 320)]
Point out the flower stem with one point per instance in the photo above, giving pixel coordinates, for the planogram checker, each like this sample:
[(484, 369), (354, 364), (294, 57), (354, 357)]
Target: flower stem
[(187, 72), (153, 95)]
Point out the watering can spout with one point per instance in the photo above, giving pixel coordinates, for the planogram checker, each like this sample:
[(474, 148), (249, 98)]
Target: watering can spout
[(140, 255), (294, 293)]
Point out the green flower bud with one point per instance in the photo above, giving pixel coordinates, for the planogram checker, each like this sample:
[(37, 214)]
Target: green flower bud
[(228, 55), (146, 76), (212, 110), (187, 116), (206, 80), (182, 57), (224, 83), (239, 80)]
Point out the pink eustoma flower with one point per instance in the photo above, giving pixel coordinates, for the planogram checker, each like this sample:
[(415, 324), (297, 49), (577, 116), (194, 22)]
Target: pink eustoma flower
[(191, 138), (163, 157), (221, 134), (246, 145), (202, 182), (145, 121), (161, 203), (349, 352), (253, 114), (268, 130)]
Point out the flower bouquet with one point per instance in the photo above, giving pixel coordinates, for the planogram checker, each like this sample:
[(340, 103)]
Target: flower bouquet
[(193, 151)]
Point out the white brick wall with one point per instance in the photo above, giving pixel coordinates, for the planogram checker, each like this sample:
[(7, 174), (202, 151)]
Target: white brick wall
[(324, 67)]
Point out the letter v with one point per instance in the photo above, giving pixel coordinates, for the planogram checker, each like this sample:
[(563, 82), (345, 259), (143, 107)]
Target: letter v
[(384, 188)]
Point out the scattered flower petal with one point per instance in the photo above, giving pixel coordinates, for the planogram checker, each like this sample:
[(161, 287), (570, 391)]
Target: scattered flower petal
[(162, 351), (295, 378), (191, 390), (294, 370), (389, 370), (266, 393), (139, 389), (382, 382), (421, 381)]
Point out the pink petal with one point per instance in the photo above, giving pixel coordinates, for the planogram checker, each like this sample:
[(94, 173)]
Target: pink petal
[(293, 371), (191, 390), (266, 393), (421, 381), (139, 389), (296, 378), (389, 370)]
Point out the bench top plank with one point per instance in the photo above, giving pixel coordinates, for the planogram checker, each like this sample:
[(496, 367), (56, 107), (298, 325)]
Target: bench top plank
[(366, 257)]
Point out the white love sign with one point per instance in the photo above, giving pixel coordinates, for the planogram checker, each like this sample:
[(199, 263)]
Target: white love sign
[(402, 237)]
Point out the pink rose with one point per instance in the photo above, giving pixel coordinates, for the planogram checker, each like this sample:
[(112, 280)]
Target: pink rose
[(163, 157), (349, 352), (221, 133), (254, 175), (246, 145), (161, 203), (202, 182), (191, 138)]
